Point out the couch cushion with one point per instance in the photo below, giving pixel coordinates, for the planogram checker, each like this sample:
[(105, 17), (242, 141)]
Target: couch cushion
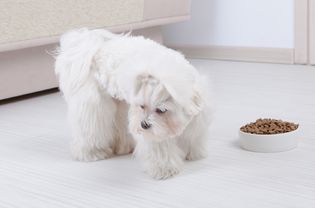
[(30, 23), (28, 19)]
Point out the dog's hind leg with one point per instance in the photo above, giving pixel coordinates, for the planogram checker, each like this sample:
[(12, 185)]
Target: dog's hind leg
[(91, 115)]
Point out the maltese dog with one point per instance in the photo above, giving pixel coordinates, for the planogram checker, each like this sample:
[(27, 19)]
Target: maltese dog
[(130, 94)]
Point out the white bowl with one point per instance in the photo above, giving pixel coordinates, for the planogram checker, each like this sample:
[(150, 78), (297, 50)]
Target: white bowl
[(270, 142)]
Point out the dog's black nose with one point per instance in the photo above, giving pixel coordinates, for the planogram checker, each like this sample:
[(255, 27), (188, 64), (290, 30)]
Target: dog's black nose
[(145, 125)]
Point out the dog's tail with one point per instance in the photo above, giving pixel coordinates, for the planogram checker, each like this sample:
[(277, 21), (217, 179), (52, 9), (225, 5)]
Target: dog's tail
[(75, 56)]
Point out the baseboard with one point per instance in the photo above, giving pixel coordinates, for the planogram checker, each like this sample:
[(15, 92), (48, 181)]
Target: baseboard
[(252, 54)]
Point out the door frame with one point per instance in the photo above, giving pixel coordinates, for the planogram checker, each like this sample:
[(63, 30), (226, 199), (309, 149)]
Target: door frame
[(304, 32), (311, 38)]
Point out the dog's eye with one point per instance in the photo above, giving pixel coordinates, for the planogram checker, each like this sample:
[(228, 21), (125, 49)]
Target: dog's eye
[(160, 111), (142, 106)]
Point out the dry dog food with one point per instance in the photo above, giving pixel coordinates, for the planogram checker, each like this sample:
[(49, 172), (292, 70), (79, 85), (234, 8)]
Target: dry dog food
[(269, 126)]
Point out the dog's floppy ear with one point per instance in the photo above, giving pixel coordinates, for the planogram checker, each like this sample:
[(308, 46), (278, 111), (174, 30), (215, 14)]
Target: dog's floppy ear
[(196, 104), (200, 94), (188, 97)]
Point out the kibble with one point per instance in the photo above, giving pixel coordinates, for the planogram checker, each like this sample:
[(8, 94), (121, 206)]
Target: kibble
[(269, 126)]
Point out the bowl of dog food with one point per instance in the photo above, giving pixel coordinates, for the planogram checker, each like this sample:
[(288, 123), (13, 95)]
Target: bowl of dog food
[(269, 135)]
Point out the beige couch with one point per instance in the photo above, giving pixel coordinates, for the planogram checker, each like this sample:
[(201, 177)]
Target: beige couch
[(31, 28)]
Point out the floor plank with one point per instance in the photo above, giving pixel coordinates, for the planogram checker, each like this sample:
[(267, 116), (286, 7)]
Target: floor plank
[(36, 169)]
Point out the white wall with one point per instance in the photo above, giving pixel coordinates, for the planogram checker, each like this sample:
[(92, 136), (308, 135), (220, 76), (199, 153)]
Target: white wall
[(251, 23)]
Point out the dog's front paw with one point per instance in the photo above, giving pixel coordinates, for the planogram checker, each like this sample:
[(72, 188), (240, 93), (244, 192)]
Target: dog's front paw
[(161, 172), (91, 154)]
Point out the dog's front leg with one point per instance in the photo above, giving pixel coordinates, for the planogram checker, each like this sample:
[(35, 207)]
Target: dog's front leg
[(161, 160)]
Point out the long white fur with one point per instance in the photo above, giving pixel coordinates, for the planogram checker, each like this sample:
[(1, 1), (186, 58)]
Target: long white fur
[(105, 78)]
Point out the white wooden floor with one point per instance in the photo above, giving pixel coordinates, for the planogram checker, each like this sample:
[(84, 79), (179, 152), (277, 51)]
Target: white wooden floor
[(36, 169)]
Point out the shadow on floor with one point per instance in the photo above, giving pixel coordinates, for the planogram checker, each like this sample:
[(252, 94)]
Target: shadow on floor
[(28, 96)]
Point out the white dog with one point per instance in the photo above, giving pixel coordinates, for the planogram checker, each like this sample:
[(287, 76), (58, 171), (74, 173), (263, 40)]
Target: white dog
[(116, 84)]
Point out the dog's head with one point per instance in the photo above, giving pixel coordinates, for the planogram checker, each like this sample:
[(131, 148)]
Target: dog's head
[(162, 108)]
